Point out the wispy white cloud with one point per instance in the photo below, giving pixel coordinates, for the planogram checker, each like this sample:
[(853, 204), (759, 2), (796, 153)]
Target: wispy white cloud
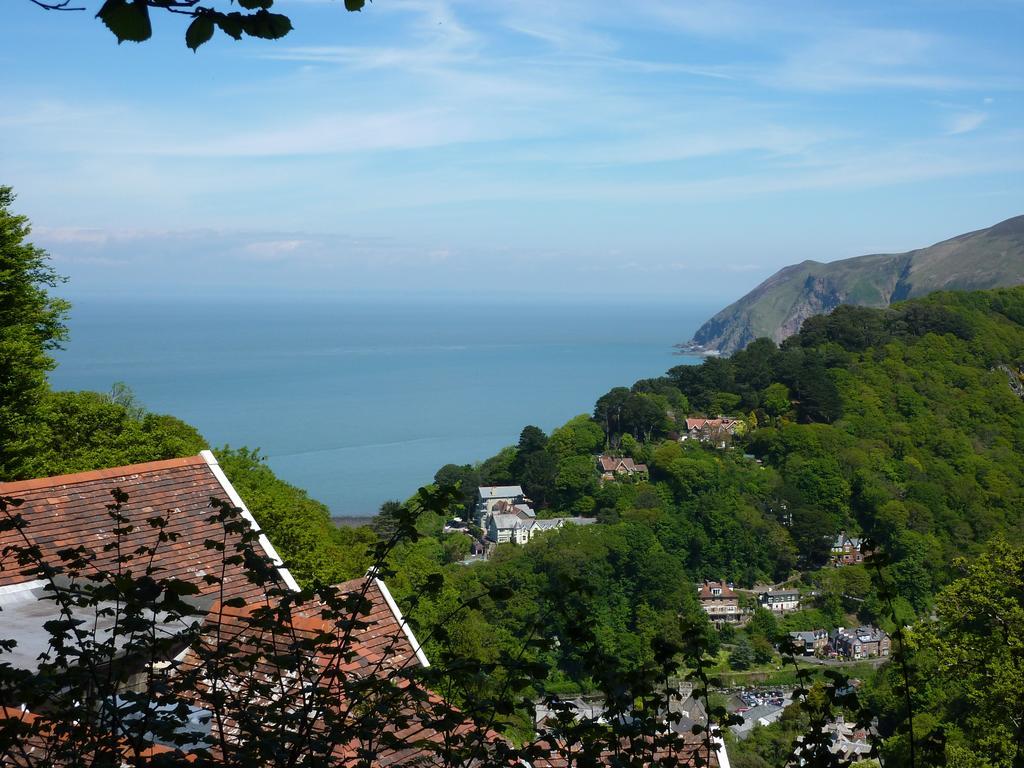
[(724, 18), (465, 123), (965, 122), (870, 58)]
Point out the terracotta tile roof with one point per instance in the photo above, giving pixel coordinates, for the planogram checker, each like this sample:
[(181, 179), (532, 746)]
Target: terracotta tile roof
[(35, 748), (386, 638), (70, 511), (377, 646), (722, 422), (706, 593), (615, 464), (377, 641)]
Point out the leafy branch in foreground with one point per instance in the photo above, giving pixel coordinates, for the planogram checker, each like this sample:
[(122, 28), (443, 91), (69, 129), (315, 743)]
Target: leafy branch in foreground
[(141, 667), (130, 19)]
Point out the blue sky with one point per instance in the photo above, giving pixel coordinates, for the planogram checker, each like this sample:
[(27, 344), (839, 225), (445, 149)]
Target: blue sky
[(508, 148)]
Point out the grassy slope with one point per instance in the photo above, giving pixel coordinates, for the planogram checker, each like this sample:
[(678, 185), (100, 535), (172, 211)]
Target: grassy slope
[(984, 259)]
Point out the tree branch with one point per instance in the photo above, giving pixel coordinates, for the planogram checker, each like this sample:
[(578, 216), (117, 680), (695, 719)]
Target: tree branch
[(63, 5)]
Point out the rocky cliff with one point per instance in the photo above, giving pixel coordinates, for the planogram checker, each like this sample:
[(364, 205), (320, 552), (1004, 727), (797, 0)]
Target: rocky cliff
[(987, 258)]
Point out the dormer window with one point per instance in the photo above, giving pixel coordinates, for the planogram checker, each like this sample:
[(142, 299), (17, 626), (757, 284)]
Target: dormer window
[(716, 591)]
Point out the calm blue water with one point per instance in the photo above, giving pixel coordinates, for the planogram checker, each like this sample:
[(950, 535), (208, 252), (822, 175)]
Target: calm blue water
[(359, 403)]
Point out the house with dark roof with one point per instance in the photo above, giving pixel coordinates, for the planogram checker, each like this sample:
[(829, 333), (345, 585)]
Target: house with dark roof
[(517, 527), (812, 642), (862, 642), (718, 432), (847, 550), (613, 467), (780, 600)]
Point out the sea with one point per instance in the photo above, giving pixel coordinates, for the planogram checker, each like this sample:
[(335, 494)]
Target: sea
[(359, 402)]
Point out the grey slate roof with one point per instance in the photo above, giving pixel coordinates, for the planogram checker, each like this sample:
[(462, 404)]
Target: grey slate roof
[(26, 608), (487, 492)]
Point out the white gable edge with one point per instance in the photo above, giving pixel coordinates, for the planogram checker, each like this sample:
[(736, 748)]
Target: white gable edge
[(723, 756), (234, 498), (420, 655), (23, 586)]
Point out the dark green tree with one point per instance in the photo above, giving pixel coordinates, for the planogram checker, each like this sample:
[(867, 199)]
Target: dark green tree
[(497, 470), (645, 415), (608, 412), (742, 656), (385, 522), (534, 468), (531, 440), (32, 325), (763, 624), (463, 476)]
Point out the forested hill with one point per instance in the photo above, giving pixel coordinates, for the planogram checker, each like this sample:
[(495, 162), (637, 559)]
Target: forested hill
[(987, 258), (905, 425)]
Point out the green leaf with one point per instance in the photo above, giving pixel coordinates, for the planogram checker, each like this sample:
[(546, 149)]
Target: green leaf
[(230, 24), (266, 25), (252, 5), (199, 32), (354, 5), (127, 20)]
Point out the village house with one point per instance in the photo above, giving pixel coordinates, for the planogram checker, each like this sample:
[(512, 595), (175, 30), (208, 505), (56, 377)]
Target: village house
[(849, 743), (718, 432), (503, 499), (859, 643), (847, 550), (780, 601), (505, 515), (720, 602), (509, 527), (613, 467), (813, 642)]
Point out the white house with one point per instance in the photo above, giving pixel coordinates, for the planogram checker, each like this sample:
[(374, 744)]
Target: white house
[(503, 528), (488, 497), (780, 601)]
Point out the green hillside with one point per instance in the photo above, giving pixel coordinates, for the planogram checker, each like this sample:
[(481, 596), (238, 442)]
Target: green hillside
[(905, 425), (988, 258)]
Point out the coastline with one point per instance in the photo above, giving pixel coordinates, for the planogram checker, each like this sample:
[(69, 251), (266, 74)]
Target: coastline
[(352, 522), (693, 348)]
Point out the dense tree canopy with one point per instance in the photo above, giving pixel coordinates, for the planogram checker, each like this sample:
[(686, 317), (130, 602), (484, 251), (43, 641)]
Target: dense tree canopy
[(32, 324)]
